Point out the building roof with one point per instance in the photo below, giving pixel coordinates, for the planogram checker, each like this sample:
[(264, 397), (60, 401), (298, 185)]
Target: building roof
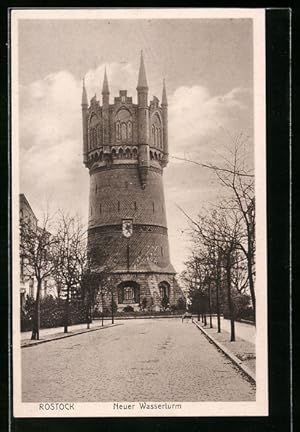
[(24, 203)]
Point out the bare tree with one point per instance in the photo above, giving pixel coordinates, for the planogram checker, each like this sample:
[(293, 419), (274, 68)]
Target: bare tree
[(221, 231), (102, 267), (237, 178), (70, 258), (37, 259), (193, 277)]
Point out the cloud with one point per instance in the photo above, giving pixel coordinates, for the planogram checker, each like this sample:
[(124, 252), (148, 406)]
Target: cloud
[(198, 121), (51, 165)]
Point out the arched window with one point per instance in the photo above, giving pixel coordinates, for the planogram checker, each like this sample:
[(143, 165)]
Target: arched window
[(118, 135), (124, 119), (99, 134), (156, 130), (128, 295), (164, 289), (153, 134), (129, 130), (94, 124), (128, 292), (158, 138), (123, 132), (127, 153)]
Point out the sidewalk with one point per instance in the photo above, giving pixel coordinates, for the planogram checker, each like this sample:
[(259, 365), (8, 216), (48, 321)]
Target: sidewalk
[(49, 334), (241, 352), (242, 330)]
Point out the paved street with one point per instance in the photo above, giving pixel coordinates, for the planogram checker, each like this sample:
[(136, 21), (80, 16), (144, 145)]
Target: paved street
[(157, 360)]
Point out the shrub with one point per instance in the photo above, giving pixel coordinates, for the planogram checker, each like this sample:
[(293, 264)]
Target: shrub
[(128, 309), (181, 305), (52, 313), (143, 305)]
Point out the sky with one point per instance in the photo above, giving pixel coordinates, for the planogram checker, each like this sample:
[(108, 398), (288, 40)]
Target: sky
[(208, 67)]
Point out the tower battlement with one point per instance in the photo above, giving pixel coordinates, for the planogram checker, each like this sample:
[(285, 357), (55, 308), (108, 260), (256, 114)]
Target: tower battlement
[(125, 148)]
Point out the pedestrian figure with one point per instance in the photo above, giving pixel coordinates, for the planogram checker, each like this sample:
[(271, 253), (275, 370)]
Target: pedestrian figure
[(187, 315)]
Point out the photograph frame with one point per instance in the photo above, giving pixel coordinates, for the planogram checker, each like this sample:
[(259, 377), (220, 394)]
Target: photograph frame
[(217, 420)]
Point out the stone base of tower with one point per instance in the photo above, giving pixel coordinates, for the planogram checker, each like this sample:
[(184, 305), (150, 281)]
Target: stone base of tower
[(140, 291)]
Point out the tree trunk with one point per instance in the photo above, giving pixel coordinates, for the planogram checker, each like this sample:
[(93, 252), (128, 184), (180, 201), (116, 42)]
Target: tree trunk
[(88, 318), (230, 304), (251, 282), (218, 304), (67, 311), (36, 316), (209, 305), (102, 301), (112, 307)]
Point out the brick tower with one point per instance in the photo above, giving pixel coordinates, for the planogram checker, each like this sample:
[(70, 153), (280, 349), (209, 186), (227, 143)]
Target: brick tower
[(125, 148)]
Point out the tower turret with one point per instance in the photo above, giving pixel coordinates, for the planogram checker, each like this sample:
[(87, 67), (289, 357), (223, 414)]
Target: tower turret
[(105, 113), (105, 89), (164, 106), (84, 109), (143, 123)]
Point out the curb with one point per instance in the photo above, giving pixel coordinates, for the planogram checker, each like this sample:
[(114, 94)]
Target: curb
[(230, 355), (67, 335), (147, 317)]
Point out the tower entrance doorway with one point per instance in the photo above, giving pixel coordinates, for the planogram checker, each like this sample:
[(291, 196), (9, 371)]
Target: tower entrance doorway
[(128, 294), (164, 289)]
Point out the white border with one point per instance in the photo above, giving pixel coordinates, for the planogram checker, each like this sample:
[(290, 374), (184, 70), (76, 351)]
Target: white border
[(212, 409)]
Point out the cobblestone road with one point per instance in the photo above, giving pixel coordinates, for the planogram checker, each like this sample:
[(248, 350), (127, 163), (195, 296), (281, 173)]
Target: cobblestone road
[(157, 360)]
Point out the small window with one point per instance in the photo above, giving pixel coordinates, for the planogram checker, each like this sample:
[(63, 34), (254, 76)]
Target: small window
[(135, 206), (100, 208), (153, 206), (118, 206), (96, 189), (162, 251)]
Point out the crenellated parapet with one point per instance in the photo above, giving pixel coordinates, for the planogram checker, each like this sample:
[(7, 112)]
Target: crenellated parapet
[(125, 132)]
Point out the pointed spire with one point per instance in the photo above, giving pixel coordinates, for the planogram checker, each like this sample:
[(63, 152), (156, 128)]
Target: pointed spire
[(142, 81), (105, 88), (164, 100), (84, 100)]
